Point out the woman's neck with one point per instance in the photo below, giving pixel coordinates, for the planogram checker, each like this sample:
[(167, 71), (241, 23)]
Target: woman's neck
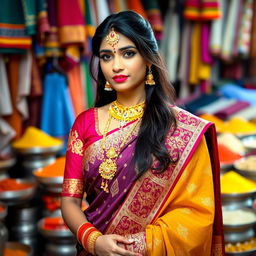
[(130, 100)]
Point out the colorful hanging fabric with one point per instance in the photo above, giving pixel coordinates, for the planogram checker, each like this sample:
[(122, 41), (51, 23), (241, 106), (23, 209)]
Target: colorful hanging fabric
[(13, 35), (245, 29), (76, 89), (15, 118), (51, 43), (102, 10), (71, 26), (216, 33), (5, 98), (229, 30), (89, 92), (154, 16), (56, 121), (253, 34), (136, 6), (202, 9)]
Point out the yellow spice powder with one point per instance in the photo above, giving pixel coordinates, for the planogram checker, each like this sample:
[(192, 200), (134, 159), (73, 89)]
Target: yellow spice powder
[(34, 137), (238, 125), (232, 182)]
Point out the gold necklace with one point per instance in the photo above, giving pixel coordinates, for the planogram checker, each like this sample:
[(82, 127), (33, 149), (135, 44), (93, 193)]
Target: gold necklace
[(126, 114), (108, 167)]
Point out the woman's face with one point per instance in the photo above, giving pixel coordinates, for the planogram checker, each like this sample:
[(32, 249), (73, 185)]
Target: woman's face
[(122, 65)]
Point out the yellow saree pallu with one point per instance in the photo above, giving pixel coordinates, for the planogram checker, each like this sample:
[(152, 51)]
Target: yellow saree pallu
[(177, 212)]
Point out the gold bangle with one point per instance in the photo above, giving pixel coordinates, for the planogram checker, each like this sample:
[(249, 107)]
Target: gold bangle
[(91, 241)]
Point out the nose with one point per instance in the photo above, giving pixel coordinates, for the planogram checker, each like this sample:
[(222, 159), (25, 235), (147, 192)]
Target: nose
[(117, 65)]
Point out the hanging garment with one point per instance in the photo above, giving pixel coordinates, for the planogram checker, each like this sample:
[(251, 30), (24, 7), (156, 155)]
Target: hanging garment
[(76, 90), (15, 118), (7, 133), (57, 114), (5, 97), (137, 6)]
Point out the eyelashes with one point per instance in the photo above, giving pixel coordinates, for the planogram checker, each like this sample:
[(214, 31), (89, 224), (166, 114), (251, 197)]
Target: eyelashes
[(126, 55)]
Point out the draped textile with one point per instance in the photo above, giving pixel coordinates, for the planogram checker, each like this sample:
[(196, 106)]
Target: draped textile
[(154, 209)]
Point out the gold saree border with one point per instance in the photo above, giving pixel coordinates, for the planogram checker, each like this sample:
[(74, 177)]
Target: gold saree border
[(147, 196), (73, 187)]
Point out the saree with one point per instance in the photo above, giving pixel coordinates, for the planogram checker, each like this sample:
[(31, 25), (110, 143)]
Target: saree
[(177, 212)]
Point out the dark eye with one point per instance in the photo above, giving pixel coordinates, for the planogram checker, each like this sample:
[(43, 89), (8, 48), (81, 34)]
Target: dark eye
[(106, 57), (129, 54)]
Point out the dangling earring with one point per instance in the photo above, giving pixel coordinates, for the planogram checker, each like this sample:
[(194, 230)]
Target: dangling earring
[(108, 87), (150, 78)]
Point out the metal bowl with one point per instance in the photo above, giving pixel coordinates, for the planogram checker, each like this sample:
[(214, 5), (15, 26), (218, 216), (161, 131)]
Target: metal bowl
[(250, 174), (51, 184), (249, 142), (3, 212), (238, 200), (238, 232), (19, 246), (55, 234), (12, 197), (38, 150)]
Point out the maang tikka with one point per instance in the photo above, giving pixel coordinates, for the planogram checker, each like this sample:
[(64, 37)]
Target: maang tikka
[(112, 39)]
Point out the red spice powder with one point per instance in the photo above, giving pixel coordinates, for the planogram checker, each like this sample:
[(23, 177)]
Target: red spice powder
[(226, 155), (13, 184), (54, 223)]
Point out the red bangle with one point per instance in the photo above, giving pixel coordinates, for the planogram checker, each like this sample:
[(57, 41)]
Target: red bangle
[(81, 229), (86, 236)]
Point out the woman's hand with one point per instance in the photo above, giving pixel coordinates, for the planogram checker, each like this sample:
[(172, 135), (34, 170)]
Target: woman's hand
[(107, 245)]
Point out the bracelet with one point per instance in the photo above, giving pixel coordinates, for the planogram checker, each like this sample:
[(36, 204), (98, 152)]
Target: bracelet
[(87, 235), (92, 240), (81, 229)]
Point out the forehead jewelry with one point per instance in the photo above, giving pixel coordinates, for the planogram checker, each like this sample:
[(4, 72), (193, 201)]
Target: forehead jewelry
[(112, 39)]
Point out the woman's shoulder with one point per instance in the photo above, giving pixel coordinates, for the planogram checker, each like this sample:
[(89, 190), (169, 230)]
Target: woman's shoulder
[(86, 116), (185, 117)]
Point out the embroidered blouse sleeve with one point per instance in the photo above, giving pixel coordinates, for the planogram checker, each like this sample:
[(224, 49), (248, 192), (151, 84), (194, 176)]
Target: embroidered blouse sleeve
[(73, 184)]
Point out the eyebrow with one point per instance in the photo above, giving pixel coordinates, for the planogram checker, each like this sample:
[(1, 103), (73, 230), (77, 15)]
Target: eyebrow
[(120, 49)]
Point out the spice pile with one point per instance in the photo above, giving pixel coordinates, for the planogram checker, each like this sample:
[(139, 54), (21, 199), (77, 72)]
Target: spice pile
[(34, 137), (241, 246), (55, 169), (232, 182), (12, 184), (14, 252), (54, 223), (238, 217), (247, 164), (227, 156)]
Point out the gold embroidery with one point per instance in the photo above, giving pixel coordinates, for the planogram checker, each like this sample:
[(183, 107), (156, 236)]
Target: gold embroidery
[(191, 188), (207, 201), (182, 231), (114, 188), (73, 186), (139, 244), (75, 144), (94, 152), (186, 210)]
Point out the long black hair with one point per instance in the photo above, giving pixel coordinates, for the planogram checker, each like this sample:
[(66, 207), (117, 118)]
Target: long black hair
[(158, 117)]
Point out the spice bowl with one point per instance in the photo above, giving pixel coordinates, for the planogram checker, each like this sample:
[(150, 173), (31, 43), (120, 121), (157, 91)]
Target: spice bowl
[(16, 247), (238, 224), (54, 229), (249, 143), (238, 200), (246, 166), (51, 184), (12, 194)]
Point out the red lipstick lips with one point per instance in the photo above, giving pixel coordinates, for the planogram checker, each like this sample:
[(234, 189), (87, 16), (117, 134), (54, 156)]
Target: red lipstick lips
[(120, 78)]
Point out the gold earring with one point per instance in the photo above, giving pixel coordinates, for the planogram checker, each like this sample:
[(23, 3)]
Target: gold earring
[(150, 78), (108, 87)]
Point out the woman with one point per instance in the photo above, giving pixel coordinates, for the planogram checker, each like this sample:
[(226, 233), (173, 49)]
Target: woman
[(143, 163)]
